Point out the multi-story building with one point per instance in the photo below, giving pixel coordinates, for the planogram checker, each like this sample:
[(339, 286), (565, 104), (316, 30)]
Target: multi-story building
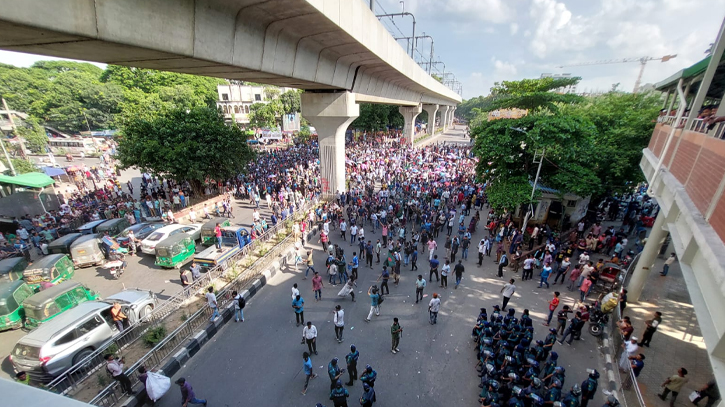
[(684, 164), (563, 89), (235, 100)]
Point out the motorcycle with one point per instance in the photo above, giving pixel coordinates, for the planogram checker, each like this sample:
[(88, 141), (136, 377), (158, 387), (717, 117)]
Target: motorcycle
[(598, 320), (117, 262)]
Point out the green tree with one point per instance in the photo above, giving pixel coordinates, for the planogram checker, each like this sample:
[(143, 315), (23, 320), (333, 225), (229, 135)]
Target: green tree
[(375, 117), (193, 146), (34, 134), (291, 101), (264, 115), (21, 166)]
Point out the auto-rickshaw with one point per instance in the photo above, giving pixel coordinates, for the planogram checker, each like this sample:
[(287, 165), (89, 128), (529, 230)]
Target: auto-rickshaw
[(52, 269), (175, 251), (69, 157), (12, 269), (90, 227), (208, 237), (114, 227), (86, 251), (12, 295), (51, 302), (63, 244)]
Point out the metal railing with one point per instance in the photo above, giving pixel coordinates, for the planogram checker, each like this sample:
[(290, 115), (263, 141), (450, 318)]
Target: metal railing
[(69, 381), (630, 392), (698, 125)]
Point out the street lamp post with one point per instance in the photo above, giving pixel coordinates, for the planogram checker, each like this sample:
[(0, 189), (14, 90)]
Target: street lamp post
[(540, 161)]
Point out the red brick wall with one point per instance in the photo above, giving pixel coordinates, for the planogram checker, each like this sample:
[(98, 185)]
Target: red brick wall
[(706, 173), (660, 137), (717, 220)]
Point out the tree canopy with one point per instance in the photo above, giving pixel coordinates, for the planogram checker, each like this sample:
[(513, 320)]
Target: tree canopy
[(196, 145), (590, 145), (375, 117)]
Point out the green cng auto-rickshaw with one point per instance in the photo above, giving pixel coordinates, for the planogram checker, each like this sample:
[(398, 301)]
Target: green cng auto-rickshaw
[(51, 302), (208, 237), (52, 268), (175, 251), (12, 268), (12, 295), (63, 244), (114, 227)]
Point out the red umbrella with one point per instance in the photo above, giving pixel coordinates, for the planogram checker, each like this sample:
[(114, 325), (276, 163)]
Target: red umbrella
[(72, 168)]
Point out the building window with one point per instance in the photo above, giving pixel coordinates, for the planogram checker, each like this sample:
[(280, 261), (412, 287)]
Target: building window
[(246, 109), (257, 97), (225, 96), (571, 203), (236, 109)]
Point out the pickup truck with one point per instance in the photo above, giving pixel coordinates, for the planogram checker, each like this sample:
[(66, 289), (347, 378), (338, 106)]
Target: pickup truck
[(234, 238)]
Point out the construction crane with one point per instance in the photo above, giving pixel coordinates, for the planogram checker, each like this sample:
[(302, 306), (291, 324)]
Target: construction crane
[(642, 60)]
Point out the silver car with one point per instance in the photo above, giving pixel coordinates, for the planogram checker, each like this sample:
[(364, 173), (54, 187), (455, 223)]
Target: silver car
[(67, 339)]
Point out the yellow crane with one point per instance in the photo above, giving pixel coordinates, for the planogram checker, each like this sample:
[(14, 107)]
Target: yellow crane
[(642, 60)]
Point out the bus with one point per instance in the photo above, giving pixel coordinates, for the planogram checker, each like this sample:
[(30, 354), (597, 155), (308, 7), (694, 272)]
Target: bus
[(74, 146)]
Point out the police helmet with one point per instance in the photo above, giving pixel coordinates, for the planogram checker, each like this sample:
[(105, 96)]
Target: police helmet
[(495, 385), (560, 369), (536, 383), (594, 374), (352, 348), (552, 330), (576, 390), (368, 368), (556, 383), (535, 364), (540, 342), (553, 355)]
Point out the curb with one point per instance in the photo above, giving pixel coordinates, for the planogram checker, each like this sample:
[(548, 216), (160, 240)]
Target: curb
[(609, 364), (202, 337)]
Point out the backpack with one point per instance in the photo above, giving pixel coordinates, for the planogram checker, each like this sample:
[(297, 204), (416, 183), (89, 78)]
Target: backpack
[(505, 260), (380, 299), (241, 302)]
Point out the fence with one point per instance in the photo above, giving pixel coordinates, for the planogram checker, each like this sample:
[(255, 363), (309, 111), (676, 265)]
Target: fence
[(70, 380), (630, 393)]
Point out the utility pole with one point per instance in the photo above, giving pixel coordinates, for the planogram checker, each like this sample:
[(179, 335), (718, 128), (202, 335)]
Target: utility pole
[(403, 14), (21, 141), (430, 59)]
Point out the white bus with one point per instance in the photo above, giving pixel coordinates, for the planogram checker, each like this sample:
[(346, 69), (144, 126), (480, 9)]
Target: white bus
[(74, 146)]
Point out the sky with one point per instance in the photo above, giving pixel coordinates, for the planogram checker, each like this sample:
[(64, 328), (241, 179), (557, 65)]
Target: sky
[(487, 41)]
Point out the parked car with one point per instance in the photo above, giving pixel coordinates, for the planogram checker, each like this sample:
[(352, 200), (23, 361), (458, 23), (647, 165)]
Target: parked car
[(63, 244), (148, 245), (51, 302), (90, 228), (52, 268), (54, 347), (12, 296), (112, 226), (140, 230)]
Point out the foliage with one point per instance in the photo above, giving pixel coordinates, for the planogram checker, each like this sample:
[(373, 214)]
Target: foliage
[(35, 138), (192, 146), (264, 115), (291, 101), (271, 92), (375, 117), (154, 335), (21, 166)]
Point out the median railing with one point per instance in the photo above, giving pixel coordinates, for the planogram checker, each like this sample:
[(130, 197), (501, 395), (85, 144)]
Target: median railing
[(70, 380), (631, 395)]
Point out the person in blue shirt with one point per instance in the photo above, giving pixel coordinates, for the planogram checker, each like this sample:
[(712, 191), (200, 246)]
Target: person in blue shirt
[(374, 303), (414, 259), (339, 395), (334, 371), (307, 366), (545, 273), (434, 268), (299, 306), (637, 362), (351, 360), (368, 397), (355, 264), (369, 375)]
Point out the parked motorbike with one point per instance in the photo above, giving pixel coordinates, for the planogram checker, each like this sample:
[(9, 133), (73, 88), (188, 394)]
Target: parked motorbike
[(598, 320)]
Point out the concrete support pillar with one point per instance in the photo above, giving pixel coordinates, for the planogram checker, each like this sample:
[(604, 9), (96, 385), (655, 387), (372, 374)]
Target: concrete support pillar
[(431, 110), (451, 116), (409, 114), (647, 259), (444, 117), (330, 114)]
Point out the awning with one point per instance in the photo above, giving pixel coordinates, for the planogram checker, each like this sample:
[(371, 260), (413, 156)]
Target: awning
[(53, 172), (30, 180), (687, 73)]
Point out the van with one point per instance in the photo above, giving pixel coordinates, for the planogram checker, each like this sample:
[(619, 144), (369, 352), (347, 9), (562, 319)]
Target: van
[(51, 302), (63, 244), (90, 227), (114, 227)]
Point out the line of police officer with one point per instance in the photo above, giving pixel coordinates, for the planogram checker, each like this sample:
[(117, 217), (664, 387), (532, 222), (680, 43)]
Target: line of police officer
[(516, 374)]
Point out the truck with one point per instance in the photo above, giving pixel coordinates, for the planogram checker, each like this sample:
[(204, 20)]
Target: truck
[(234, 238)]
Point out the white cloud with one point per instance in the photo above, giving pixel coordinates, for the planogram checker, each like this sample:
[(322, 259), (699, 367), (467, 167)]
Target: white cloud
[(494, 11), (504, 69), (514, 28)]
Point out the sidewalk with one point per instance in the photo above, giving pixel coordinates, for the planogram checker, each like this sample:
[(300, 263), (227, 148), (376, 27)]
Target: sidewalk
[(677, 342)]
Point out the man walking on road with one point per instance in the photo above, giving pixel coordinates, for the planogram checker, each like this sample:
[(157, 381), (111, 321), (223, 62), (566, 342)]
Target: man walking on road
[(307, 367), (674, 384), (553, 304), (434, 268), (299, 306), (395, 331), (459, 269), (309, 335), (668, 262), (317, 286), (651, 328), (351, 360), (339, 321), (419, 286), (445, 271), (503, 262), (374, 303), (433, 307), (508, 292), (187, 394), (211, 300), (385, 275)]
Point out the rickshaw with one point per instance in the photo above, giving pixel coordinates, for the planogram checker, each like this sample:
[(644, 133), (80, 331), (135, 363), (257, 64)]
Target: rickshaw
[(12, 269), (609, 276), (63, 244), (208, 237), (51, 302), (53, 269), (174, 251), (12, 295), (114, 227), (87, 251)]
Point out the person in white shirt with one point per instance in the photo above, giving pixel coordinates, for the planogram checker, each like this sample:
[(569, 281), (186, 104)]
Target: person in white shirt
[(445, 272), (339, 320), (433, 307), (115, 367), (295, 291), (353, 234), (211, 300), (508, 292), (192, 215), (309, 335)]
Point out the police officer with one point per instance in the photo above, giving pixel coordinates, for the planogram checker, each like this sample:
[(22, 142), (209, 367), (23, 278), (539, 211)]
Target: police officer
[(335, 372), (339, 395), (369, 376), (572, 399), (351, 360), (589, 387), (553, 394), (368, 397)]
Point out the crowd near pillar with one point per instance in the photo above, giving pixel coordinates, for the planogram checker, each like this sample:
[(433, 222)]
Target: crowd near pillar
[(431, 110), (330, 113), (647, 259), (409, 114)]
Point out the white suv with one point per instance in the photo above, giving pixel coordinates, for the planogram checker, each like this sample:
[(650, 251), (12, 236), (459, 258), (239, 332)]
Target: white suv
[(148, 245)]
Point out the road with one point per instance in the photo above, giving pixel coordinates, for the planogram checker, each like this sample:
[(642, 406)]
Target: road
[(259, 361)]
